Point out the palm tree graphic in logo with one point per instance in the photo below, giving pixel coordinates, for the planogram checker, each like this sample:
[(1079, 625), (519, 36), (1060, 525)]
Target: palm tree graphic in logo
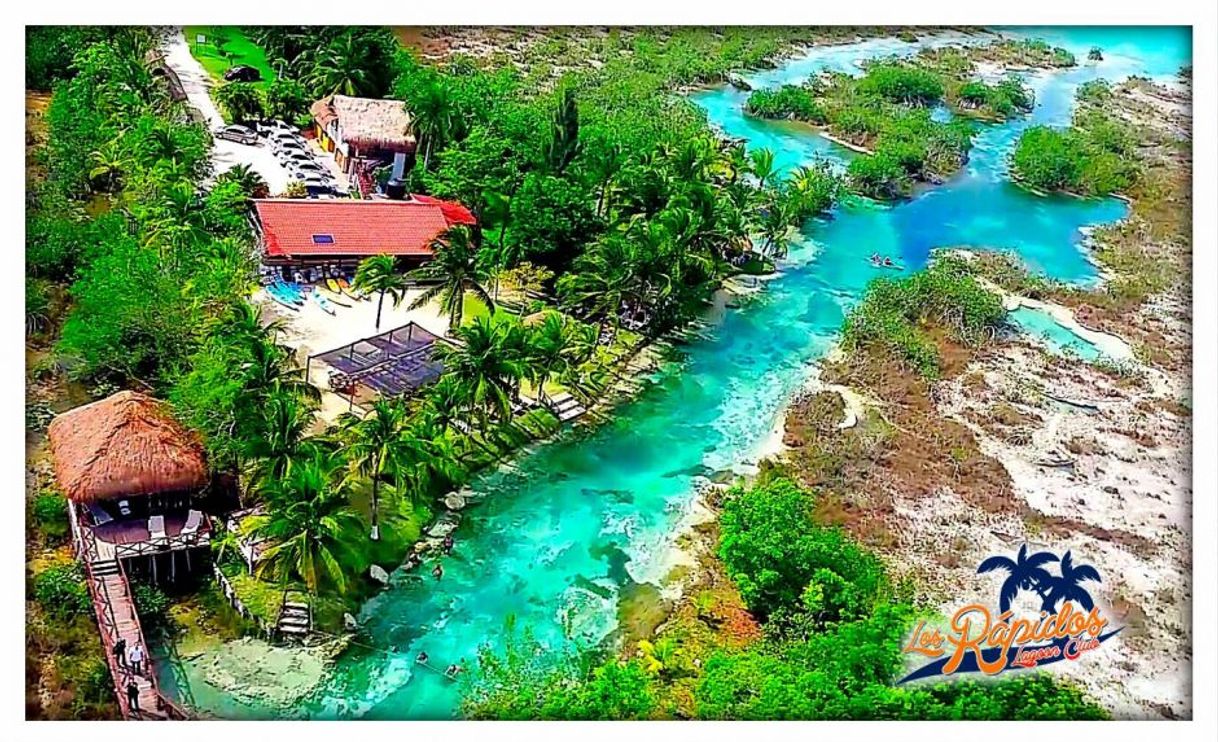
[(1067, 586), (1023, 573), (1027, 572)]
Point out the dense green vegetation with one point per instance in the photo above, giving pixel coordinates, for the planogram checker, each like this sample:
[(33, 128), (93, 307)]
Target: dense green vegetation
[(887, 112), (831, 649), (893, 313), (1094, 157)]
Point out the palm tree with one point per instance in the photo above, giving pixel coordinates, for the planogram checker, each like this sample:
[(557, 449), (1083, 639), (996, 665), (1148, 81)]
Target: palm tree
[(603, 279), (309, 524), (250, 181), (557, 347), (603, 163), (487, 364), (371, 444), (1066, 587), (433, 118), (1024, 573), (379, 274), (339, 67), (275, 436), (761, 164), (456, 269)]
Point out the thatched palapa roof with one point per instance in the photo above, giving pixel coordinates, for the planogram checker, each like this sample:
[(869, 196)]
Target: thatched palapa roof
[(371, 123), (126, 444)]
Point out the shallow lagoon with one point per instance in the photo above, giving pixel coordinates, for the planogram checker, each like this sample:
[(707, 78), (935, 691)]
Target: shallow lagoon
[(575, 521)]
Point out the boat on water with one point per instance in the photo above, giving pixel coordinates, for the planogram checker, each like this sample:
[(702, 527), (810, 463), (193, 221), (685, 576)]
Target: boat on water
[(887, 263)]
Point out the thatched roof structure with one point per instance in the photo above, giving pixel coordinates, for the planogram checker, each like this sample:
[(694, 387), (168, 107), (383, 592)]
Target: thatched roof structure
[(367, 123), (126, 444)]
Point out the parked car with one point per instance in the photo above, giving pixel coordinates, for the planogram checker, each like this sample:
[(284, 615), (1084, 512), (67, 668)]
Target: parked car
[(282, 145), (294, 157), (242, 73), (311, 167), (237, 133), (276, 128)]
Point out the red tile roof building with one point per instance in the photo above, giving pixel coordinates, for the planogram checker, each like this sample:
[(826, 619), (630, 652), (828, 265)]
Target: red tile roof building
[(342, 230)]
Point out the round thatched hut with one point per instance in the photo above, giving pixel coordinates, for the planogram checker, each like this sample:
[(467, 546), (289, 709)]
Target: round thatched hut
[(135, 479)]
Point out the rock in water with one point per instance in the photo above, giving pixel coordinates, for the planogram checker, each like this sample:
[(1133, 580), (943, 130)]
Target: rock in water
[(349, 622), (454, 502), (378, 573)]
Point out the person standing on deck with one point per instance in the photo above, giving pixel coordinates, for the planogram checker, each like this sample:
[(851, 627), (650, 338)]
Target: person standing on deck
[(133, 696), (120, 652)]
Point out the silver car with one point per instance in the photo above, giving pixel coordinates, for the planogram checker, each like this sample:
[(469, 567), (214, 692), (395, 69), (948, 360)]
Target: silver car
[(237, 133)]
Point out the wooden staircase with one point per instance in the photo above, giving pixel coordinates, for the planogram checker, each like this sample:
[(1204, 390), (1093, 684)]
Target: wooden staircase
[(295, 619), (564, 406)]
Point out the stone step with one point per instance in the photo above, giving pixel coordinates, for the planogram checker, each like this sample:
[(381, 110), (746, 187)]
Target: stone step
[(292, 604), (292, 629), (293, 621)]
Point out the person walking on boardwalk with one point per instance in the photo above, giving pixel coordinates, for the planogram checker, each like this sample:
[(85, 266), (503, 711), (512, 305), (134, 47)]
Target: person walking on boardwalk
[(133, 696), (135, 659), (120, 652)]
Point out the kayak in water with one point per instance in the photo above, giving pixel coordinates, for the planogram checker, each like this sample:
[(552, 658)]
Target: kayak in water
[(878, 262)]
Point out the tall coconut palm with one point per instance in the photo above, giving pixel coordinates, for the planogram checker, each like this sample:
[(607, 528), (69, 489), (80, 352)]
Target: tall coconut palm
[(605, 277), (433, 118), (1025, 572), (274, 436), (378, 274), (487, 364), (371, 444), (309, 523), (457, 271), (1067, 587)]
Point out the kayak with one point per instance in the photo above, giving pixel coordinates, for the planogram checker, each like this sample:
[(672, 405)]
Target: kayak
[(334, 287), (880, 264), (335, 297), (322, 302), (284, 293), (277, 297)]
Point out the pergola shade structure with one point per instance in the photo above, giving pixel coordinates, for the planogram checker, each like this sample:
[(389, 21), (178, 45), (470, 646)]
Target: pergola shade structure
[(392, 363)]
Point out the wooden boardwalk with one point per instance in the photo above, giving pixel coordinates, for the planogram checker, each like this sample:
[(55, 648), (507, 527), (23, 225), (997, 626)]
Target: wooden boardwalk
[(114, 607)]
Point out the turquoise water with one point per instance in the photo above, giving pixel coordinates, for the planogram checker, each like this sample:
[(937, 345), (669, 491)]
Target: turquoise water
[(579, 521), (1059, 339)]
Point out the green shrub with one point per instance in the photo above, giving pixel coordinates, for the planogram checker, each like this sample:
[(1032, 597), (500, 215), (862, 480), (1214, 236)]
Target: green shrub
[(782, 561), (50, 512), (945, 294), (61, 591), (152, 604), (789, 101)]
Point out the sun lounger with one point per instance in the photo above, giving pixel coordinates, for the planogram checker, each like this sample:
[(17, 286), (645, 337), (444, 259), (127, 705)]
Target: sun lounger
[(156, 529), (193, 520)]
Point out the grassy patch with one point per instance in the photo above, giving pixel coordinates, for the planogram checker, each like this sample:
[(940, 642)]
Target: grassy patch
[(226, 47)]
